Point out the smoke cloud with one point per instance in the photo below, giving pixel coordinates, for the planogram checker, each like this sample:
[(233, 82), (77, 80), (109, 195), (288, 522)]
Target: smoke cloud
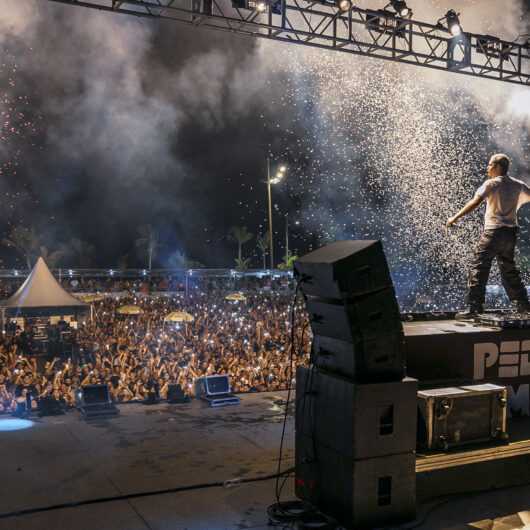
[(138, 121)]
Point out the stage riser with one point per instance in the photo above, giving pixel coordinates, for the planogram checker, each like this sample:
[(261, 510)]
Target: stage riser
[(444, 353)]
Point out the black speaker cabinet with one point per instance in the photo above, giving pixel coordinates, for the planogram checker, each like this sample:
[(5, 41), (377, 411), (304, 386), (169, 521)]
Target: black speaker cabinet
[(175, 394), (357, 420), (358, 493), (373, 359), (371, 315), (96, 394), (344, 269)]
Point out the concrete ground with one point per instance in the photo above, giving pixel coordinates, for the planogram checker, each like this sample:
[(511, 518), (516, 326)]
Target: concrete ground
[(62, 460)]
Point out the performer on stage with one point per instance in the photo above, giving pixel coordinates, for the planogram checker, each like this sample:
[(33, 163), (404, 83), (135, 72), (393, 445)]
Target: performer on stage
[(504, 195)]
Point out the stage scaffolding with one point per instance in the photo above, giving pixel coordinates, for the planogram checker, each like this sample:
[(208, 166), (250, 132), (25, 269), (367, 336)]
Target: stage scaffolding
[(369, 32)]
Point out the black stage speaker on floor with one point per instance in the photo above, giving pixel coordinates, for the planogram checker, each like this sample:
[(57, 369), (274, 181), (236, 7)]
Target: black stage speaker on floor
[(355, 448), (175, 394), (96, 402), (356, 413), (49, 406), (364, 493), (95, 394), (357, 420)]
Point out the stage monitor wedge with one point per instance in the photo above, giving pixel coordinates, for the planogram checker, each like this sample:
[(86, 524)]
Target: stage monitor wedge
[(344, 270)]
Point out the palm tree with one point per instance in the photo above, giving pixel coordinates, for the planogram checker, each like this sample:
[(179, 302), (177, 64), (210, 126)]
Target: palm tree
[(25, 241), (242, 264), (81, 251), (262, 244), (242, 236), (148, 242), (288, 262)]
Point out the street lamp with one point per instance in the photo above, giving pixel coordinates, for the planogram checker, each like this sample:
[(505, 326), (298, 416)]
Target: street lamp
[(280, 174)]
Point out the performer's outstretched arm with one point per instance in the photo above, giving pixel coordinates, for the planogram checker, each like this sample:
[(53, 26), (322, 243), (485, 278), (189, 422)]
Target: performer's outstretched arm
[(469, 207)]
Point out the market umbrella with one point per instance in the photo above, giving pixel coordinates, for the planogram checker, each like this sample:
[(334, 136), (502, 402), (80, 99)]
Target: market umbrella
[(129, 310), (179, 316), (236, 297), (91, 298)]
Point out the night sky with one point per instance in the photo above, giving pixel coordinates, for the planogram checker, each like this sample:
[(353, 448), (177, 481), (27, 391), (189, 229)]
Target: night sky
[(110, 123)]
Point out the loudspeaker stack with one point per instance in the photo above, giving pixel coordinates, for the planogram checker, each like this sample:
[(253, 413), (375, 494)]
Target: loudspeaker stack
[(355, 408)]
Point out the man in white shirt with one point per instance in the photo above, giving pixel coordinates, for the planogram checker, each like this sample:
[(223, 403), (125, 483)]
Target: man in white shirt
[(504, 196)]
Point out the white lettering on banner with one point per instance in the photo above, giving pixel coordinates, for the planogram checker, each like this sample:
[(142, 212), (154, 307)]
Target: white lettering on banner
[(512, 360), (519, 402), (486, 354), (525, 365)]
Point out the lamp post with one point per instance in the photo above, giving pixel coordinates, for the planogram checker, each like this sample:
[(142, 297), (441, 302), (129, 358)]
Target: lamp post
[(275, 180), (287, 237)]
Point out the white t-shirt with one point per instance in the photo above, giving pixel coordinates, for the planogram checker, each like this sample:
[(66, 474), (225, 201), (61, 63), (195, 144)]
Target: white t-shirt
[(504, 196)]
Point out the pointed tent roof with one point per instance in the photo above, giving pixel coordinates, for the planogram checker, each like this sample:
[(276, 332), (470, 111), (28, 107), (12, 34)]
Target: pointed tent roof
[(41, 291)]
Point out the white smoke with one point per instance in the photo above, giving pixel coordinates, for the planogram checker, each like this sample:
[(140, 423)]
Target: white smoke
[(383, 151)]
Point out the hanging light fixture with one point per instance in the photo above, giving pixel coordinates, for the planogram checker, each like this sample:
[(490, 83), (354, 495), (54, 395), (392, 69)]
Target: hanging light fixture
[(453, 22), (401, 8), (344, 5)]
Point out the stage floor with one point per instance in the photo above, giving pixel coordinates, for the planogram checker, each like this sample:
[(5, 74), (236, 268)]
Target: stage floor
[(147, 448)]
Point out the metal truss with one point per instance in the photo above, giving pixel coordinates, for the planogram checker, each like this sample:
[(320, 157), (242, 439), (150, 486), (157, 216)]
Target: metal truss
[(373, 33)]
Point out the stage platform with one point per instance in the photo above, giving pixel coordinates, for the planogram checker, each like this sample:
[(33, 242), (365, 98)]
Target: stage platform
[(450, 353), (146, 449)]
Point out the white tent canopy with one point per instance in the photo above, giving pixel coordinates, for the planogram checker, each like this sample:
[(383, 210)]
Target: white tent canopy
[(42, 294)]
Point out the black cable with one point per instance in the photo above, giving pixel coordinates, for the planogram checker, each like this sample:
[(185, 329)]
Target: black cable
[(300, 349), (284, 513), (127, 496), (289, 386), (426, 515)]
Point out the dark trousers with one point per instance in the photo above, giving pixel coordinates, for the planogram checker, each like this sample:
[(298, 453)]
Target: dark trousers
[(498, 243)]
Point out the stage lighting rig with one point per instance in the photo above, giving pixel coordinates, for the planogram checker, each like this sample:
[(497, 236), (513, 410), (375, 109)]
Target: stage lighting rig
[(384, 21), (453, 23), (493, 46), (259, 6), (400, 7), (344, 5)]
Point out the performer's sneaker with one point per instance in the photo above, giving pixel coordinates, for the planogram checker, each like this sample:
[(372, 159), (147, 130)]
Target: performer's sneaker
[(523, 307), (470, 313)]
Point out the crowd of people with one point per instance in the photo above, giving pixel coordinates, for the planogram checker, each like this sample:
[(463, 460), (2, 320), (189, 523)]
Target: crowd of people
[(140, 356)]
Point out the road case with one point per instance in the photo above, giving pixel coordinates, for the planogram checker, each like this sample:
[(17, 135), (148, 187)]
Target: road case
[(452, 417)]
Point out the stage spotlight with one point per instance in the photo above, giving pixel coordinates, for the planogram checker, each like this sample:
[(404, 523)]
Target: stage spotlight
[(344, 5), (261, 7), (400, 7), (453, 22), (384, 21)]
